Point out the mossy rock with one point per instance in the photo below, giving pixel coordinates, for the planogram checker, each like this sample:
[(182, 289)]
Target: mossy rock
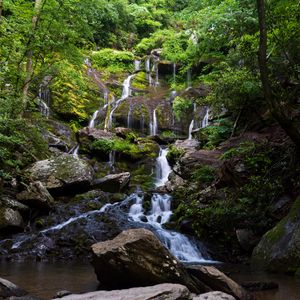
[(279, 249)]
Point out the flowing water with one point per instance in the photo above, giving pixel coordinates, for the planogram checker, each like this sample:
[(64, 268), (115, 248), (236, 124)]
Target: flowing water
[(153, 124), (191, 127), (125, 94), (205, 121), (163, 168), (92, 121)]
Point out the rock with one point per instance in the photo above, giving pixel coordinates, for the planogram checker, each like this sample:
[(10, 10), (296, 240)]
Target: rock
[(10, 218), (63, 293), (217, 281), (8, 202), (158, 292), (214, 296), (280, 206), (8, 289), (61, 175), (247, 239), (36, 195), (174, 182), (279, 248), (113, 183), (122, 132), (137, 258)]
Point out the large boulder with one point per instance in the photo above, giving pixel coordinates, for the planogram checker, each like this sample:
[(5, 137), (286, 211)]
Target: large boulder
[(11, 219), (113, 183), (214, 296), (8, 289), (279, 248), (137, 258), (159, 292), (217, 281), (36, 195), (64, 174)]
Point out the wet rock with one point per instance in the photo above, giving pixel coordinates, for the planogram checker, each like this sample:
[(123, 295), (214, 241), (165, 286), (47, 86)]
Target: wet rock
[(61, 175), (280, 206), (10, 218), (174, 182), (8, 289), (214, 296), (137, 258), (36, 195), (279, 250), (161, 291), (247, 239), (113, 183), (122, 132), (217, 281)]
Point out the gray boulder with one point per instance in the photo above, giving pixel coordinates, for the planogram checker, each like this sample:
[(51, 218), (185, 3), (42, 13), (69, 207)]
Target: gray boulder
[(36, 195), (113, 183), (64, 174), (8, 289), (279, 248), (157, 292), (10, 218), (137, 258), (214, 296)]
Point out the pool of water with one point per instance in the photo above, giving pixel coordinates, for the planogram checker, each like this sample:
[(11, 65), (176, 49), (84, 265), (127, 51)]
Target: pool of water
[(45, 279)]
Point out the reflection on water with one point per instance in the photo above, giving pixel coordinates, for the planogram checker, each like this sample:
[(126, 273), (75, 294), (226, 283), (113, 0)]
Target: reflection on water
[(289, 287), (45, 279)]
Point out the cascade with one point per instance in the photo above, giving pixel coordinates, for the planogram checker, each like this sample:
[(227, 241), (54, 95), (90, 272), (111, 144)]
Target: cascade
[(174, 74), (148, 65), (156, 73), (75, 151), (112, 160), (92, 121), (137, 65), (205, 120), (106, 97), (153, 125), (191, 130), (163, 168), (44, 97), (129, 115), (125, 94), (178, 244), (189, 78)]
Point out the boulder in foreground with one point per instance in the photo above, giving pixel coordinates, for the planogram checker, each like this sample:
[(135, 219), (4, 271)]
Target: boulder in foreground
[(137, 258), (161, 291)]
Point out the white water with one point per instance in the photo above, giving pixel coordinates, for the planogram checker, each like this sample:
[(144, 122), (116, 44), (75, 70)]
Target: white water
[(147, 65), (129, 115), (191, 130), (112, 159), (125, 94), (156, 72), (44, 98), (92, 122), (205, 121), (137, 65), (153, 124), (178, 244), (163, 168), (75, 151)]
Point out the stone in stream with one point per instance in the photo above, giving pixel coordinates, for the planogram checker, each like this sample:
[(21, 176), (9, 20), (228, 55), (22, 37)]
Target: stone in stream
[(137, 258), (217, 281), (158, 292), (8, 289), (279, 248), (62, 175), (113, 183)]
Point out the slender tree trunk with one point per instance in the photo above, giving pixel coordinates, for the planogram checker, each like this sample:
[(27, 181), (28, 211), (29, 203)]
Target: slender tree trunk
[(29, 64), (276, 109)]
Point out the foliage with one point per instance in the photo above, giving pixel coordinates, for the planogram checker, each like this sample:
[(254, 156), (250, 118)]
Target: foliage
[(174, 154), (204, 174), (182, 107)]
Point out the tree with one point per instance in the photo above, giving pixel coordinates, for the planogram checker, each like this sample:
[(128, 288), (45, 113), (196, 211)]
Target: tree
[(279, 108)]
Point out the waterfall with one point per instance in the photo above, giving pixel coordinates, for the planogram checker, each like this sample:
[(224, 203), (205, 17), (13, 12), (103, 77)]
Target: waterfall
[(112, 159), (191, 130), (163, 168), (106, 97), (153, 124), (92, 122), (189, 78), (156, 72), (147, 65), (137, 65), (205, 121), (75, 151), (178, 244), (125, 94), (44, 98), (174, 74), (129, 115)]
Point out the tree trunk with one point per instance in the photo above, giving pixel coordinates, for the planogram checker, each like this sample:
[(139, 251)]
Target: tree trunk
[(1, 8), (276, 109), (29, 64)]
